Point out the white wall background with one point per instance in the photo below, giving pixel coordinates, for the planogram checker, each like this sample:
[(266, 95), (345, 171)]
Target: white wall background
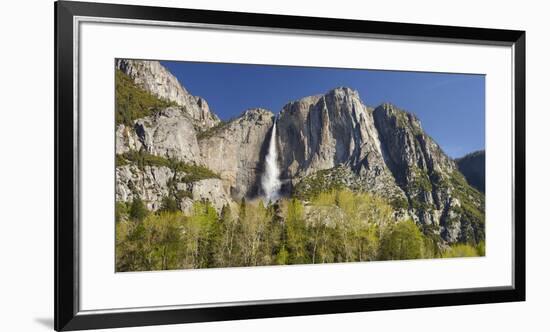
[(26, 164)]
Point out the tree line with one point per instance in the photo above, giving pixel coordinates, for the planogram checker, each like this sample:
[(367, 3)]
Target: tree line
[(335, 226)]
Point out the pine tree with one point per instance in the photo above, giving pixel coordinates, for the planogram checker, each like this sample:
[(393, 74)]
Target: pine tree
[(138, 211), (168, 205), (242, 209)]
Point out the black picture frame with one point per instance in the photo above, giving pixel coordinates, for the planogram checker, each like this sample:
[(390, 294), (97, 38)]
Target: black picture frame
[(67, 314)]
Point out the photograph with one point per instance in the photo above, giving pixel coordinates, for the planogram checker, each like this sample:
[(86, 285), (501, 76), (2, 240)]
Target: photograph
[(275, 166), (240, 165)]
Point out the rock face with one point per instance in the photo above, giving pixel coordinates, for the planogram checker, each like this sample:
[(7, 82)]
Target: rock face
[(335, 140), (472, 166), (153, 77), (153, 183), (414, 160), (149, 183), (236, 150), (438, 195), (209, 189), (337, 129), (169, 134), (406, 145)]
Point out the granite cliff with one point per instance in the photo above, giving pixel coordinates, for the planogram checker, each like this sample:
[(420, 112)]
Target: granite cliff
[(155, 78), (235, 150)]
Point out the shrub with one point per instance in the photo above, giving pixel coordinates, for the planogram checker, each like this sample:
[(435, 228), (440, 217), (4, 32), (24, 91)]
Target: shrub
[(213, 130), (461, 250), (399, 203), (322, 181), (192, 172), (168, 205), (120, 160), (141, 159), (195, 173)]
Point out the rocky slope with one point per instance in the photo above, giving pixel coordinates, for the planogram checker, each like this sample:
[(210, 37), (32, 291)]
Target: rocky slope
[(158, 156), (154, 183), (153, 77), (437, 193), (472, 166)]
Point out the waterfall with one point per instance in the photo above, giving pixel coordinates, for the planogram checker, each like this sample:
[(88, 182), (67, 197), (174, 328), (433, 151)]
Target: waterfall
[(270, 179)]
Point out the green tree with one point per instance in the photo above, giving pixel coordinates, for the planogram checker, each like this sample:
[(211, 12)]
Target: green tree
[(204, 232), (253, 224), (296, 233), (403, 241), (242, 209), (481, 248), (168, 204), (138, 211), (131, 247), (152, 244), (432, 241), (345, 226), (267, 234), (121, 211), (282, 256), (164, 233), (227, 247), (334, 226)]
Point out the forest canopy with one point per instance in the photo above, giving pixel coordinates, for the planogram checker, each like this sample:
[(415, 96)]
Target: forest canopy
[(336, 226)]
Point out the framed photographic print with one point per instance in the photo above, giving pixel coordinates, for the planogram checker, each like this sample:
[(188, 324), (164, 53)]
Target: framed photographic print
[(220, 165)]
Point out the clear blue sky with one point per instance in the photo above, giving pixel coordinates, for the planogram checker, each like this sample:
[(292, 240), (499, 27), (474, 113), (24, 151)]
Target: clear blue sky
[(451, 107)]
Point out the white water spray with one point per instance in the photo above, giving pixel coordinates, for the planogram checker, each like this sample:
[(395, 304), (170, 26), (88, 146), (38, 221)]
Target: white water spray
[(270, 179)]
